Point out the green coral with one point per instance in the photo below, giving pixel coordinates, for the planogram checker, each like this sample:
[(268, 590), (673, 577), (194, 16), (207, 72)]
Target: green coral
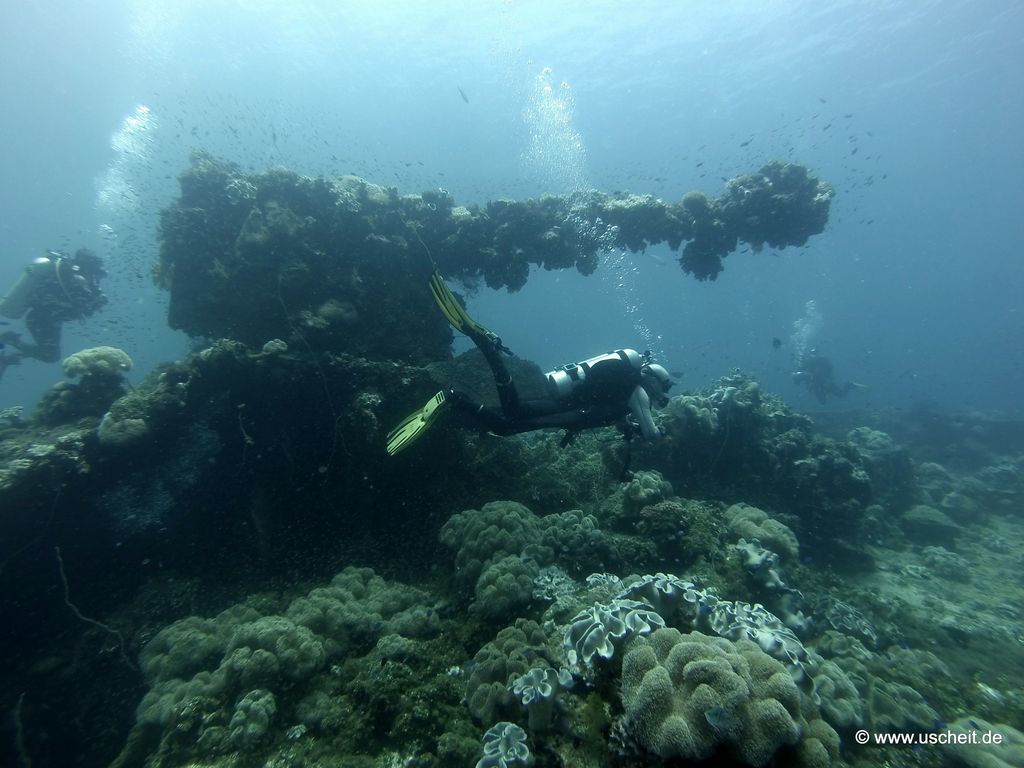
[(514, 651), (223, 684), (191, 644), (689, 696), (251, 719), (102, 381), (579, 544), (841, 704), (685, 531), (747, 522), (646, 488), (496, 530), (505, 587), (896, 707), (357, 606), (503, 546), (271, 646), (924, 524), (165, 702)]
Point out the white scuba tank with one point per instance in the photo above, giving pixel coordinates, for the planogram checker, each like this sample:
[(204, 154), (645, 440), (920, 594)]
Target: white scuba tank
[(17, 300), (566, 379)]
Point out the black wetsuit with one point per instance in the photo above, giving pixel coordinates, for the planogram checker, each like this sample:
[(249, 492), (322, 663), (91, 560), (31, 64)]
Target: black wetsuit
[(55, 291), (602, 400), (819, 377)]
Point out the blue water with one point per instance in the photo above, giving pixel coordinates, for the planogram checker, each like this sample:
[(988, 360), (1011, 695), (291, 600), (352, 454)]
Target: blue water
[(917, 279)]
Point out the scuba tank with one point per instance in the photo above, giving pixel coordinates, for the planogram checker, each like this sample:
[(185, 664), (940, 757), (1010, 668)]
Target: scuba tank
[(19, 298), (565, 380)]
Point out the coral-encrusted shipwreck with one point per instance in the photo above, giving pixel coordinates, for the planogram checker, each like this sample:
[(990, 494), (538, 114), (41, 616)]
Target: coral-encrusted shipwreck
[(249, 257), (259, 460)]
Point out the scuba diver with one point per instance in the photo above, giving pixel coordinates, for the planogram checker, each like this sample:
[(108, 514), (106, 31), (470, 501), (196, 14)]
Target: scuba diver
[(52, 290), (817, 375), (598, 392)]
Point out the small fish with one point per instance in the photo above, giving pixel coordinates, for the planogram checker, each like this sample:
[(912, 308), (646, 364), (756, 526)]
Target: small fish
[(776, 343), (745, 143), (462, 93)]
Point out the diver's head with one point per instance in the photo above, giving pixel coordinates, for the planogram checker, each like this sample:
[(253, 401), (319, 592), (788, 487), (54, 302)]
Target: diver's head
[(656, 382), (89, 264)]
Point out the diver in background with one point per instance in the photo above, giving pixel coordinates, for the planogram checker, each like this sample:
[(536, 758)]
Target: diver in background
[(816, 373), (598, 392), (52, 290)]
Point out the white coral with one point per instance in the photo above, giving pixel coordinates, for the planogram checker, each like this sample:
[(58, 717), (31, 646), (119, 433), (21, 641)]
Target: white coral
[(97, 361)]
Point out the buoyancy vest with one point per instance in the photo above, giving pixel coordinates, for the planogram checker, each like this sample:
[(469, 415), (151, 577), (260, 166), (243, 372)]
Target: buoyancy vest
[(610, 377)]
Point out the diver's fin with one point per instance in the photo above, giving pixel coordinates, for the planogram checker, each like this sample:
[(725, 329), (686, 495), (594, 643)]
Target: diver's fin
[(415, 424), (457, 316), (453, 311)]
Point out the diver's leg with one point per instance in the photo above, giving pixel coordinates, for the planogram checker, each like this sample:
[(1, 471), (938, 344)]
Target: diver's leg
[(485, 340), (7, 359), (508, 395), (46, 332), (480, 416)]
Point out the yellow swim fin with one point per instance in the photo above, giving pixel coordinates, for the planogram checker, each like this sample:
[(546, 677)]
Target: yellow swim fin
[(457, 316), (415, 424), (453, 311)]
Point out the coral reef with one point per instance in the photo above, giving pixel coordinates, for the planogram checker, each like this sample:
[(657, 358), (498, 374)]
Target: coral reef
[(975, 753), (926, 525), (505, 746), (278, 255), (100, 373), (292, 597), (538, 690), (687, 696), (741, 621), (764, 569), (643, 490), (597, 630), (732, 436), (888, 465), (510, 655), (102, 362), (751, 523), (236, 681)]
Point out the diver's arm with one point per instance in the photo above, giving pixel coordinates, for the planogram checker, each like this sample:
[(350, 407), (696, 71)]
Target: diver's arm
[(640, 405)]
